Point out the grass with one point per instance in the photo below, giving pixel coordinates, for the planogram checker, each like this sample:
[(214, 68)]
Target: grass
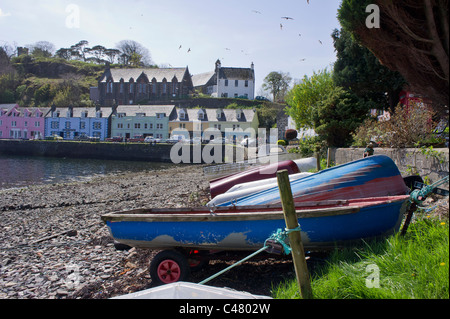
[(411, 267)]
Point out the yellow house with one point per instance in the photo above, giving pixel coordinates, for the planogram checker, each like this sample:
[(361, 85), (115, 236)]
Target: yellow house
[(232, 124)]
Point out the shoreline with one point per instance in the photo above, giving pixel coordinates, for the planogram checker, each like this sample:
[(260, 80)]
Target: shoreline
[(54, 245)]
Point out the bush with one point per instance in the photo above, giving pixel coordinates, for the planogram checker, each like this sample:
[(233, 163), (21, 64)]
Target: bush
[(405, 128)]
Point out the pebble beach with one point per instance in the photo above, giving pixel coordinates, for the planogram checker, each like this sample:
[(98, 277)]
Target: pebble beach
[(53, 244)]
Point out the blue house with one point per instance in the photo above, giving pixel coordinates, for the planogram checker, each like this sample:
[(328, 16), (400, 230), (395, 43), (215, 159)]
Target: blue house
[(72, 122)]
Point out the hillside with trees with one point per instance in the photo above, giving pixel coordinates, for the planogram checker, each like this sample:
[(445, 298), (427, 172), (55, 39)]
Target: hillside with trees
[(40, 75)]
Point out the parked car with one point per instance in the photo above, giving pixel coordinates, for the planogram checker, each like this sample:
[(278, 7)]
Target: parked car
[(53, 137), (248, 142), (84, 137), (151, 139), (114, 139), (137, 139), (262, 98), (177, 138)]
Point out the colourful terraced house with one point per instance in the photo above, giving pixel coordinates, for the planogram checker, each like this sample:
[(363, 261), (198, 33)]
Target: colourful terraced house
[(73, 122), (129, 121), (22, 123), (231, 124)]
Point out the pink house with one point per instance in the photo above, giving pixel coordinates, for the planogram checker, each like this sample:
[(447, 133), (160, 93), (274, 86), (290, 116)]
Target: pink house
[(21, 123)]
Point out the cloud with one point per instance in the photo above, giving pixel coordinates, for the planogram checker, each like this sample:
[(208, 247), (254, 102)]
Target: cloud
[(4, 14)]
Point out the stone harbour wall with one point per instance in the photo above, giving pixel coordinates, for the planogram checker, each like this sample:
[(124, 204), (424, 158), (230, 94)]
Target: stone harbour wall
[(431, 164)]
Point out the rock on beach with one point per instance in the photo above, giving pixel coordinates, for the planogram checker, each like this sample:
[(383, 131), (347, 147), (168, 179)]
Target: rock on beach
[(53, 244)]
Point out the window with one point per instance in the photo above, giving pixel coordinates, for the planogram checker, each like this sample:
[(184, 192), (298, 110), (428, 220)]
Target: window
[(82, 125), (97, 125), (137, 125), (67, 125), (159, 126), (246, 83), (54, 124), (160, 115), (119, 125), (13, 123), (151, 126), (25, 124), (109, 87), (182, 125), (236, 83), (131, 87), (226, 82), (121, 87), (37, 124)]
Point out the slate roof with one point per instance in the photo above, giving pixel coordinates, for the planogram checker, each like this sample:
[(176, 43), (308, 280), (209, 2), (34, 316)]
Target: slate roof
[(202, 78), (210, 115), (158, 73), (149, 110), (236, 73)]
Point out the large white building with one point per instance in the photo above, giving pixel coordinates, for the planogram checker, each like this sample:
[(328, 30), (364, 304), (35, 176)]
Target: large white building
[(227, 82)]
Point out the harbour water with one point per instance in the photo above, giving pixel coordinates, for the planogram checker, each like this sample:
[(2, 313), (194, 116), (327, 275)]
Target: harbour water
[(22, 171)]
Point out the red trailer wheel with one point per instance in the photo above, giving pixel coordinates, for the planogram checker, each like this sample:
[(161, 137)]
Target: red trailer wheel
[(169, 266)]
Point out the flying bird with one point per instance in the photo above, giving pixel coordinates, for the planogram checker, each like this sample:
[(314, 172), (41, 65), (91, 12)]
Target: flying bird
[(179, 47), (287, 18), (281, 26), (301, 60), (320, 42), (189, 50), (256, 11)]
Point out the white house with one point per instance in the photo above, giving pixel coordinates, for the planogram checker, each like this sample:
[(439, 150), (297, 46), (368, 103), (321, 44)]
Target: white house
[(227, 82)]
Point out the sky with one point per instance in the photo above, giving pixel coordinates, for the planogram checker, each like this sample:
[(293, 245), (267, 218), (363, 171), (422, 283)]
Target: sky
[(238, 32)]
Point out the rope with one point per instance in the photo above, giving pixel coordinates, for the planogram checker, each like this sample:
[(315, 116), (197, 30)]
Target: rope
[(279, 236), (419, 195)]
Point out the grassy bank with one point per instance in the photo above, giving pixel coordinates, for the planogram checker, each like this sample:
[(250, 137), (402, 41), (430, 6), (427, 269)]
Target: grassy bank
[(411, 267)]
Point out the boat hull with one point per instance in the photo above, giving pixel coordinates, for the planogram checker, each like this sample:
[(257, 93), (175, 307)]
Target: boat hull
[(373, 176), (248, 228)]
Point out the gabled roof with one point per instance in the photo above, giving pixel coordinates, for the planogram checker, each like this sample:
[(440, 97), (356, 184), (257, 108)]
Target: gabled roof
[(154, 73), (210, 115), (202, 78)]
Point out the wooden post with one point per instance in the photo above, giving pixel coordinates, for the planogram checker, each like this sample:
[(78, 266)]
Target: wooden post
[(295, 240), (328, 157), (317, 156)]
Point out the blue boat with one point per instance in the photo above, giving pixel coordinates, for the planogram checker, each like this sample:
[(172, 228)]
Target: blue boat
[(183, 234), (373, 176), (323, 224)]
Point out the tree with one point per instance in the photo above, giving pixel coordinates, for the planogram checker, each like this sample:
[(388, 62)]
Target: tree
[(134, 52), (305, 96), (358, 70), (98, 52), (42, 49), (413, 39), (277, 83), (79, 50), (338, 115), (112, 54)]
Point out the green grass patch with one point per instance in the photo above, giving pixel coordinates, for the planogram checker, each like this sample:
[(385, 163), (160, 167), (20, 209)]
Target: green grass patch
[(411, 267)]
